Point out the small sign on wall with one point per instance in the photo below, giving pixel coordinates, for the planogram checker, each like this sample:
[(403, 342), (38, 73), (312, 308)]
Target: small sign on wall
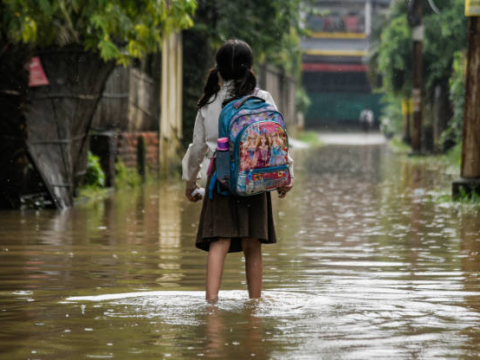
[(417, 100), (37, 75), (472, 7)]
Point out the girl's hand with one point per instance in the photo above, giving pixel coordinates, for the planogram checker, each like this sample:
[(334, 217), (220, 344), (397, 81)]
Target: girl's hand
[(188, 193), (282, 191)]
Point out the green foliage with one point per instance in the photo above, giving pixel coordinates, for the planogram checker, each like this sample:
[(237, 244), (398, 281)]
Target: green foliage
[(95, 176), (466, 200), (93, 186), (398, 146), (445, 36), (453, 134), (88, 193), (454, 155), (311, 138), (468, 197), (118, 29), (272, 28), (126, 177), (395, 56), (391, 119), (302, 100)]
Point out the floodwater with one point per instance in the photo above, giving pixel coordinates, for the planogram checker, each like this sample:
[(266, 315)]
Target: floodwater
[(370, 264)]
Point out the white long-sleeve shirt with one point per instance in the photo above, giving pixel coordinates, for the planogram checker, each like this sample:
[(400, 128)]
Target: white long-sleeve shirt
[(205, 135)]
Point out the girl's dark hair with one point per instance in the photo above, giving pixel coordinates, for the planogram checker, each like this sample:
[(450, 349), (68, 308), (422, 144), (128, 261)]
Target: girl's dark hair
[(234, 61)]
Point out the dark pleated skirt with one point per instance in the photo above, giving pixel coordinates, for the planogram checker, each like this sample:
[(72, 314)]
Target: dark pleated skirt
[(235, 218)]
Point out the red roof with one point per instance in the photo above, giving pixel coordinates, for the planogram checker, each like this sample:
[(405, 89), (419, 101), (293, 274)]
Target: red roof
[(334, 67)]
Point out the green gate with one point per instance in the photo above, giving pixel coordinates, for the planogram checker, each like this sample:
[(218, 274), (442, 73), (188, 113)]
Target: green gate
[(341, 107)]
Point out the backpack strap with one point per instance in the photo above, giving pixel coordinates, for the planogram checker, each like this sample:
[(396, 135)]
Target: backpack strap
[(211, 187), (242, 101)]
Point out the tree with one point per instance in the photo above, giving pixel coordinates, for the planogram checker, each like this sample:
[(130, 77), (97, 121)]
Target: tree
[(118, 29), (445, 36), (395, 57), (272, 28)]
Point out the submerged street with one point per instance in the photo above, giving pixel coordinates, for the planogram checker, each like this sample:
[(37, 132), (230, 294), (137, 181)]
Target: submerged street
[(370, 264)]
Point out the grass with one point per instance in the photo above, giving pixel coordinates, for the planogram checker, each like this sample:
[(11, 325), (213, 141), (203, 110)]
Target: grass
[(310, 138), (448, 163), (88, 193), (398, 146), (454, 155), (126, 177), (464, 201), (468, 198)]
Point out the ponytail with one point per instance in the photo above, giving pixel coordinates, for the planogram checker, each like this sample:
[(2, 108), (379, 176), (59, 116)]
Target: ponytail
[(243, 86), (234, 62), (211, 88)]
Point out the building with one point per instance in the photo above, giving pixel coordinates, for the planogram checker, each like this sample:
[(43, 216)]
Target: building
[(335, 69)]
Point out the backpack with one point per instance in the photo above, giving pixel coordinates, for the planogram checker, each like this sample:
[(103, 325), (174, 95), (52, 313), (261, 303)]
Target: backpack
[(257, 149)]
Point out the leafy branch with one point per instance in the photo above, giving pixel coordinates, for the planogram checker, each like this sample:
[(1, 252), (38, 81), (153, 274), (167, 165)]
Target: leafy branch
[(118, 29)]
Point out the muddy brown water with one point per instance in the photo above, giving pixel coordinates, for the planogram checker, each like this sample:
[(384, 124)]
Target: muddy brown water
[(368, 266)]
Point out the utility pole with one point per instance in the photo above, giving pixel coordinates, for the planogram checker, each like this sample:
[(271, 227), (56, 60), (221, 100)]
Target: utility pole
[(415, 16), (470, 168)]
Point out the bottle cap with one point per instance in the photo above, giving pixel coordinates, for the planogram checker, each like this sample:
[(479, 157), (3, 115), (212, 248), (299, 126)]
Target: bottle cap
[(222, 144)]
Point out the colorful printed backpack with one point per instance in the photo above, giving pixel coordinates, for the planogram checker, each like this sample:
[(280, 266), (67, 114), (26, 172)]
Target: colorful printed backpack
[(258, 148)]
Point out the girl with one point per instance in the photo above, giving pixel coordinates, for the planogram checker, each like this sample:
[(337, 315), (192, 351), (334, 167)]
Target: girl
[(248, 151), (278, 154), (228, 224), (262, 152)]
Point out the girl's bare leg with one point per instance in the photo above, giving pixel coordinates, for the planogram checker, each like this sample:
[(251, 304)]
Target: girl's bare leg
[(216, 260), (252, 250)]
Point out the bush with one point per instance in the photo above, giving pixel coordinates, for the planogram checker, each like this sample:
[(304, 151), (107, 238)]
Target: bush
[(302, 100), (391, 120), (95, 176), (126, 177)]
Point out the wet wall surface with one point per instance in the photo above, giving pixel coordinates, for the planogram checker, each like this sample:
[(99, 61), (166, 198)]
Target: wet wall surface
[(369, 265)]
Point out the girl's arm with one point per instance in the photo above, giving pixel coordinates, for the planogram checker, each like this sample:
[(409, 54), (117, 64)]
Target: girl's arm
[(192, 161), (290, 166)]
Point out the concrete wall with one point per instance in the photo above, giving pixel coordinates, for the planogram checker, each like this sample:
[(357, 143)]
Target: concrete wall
[(127, 148), (171, 103), (283, 90)]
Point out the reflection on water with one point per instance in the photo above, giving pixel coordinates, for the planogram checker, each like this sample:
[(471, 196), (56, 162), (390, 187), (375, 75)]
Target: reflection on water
[(367, 266), (170, 232)]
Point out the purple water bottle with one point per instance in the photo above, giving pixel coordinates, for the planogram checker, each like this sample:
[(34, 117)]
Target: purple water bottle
[(223, 161)]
